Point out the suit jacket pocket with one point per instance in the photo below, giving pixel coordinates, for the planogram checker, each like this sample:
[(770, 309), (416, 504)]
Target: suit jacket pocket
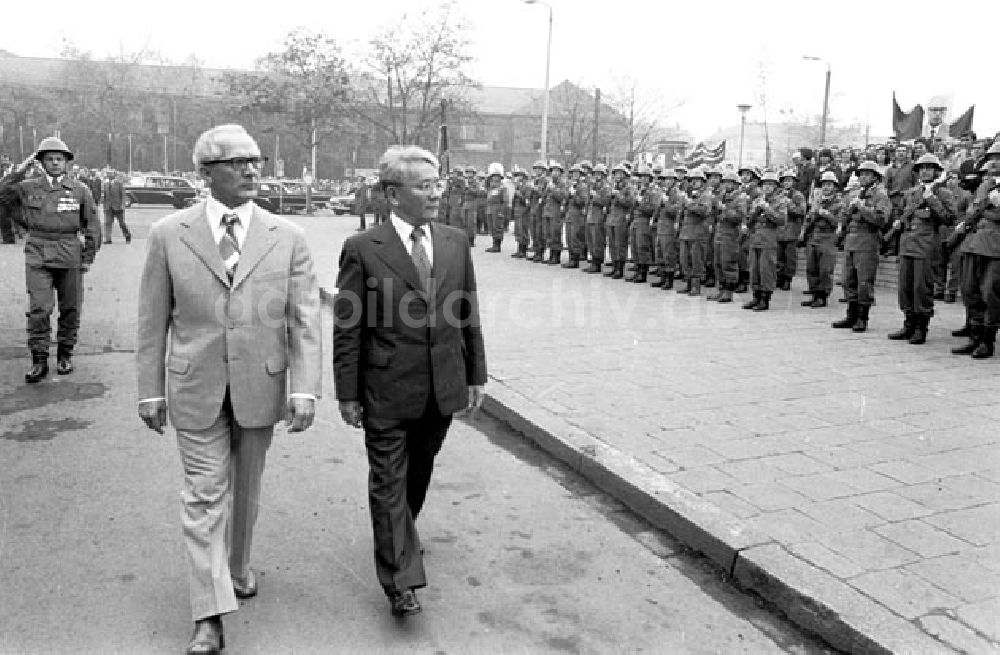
[(378, 358), (178, 365), (275, 365)]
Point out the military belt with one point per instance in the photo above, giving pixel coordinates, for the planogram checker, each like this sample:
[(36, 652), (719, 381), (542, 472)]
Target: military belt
[(50, 235)]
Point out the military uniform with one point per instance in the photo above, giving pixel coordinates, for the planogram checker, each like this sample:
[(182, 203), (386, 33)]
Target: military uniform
[(667, 221), (456, 187), (767, 215), (623, 198), (600, 198), (496, 209), (788, 236), (556, 193), (519, 210), (981, 269), (64, 235), (575, 221), (694, 232), (863, 217), (640, 231), (470, 197), (821, 246), (732, 210), (536, 197)]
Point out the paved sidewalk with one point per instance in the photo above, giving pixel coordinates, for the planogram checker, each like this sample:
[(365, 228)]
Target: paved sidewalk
[(852, 480)]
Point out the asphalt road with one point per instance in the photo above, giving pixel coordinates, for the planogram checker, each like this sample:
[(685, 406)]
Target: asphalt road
[(523, 556)]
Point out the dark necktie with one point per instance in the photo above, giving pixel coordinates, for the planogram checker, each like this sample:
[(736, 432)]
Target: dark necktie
[(229, 246), (420, 259)]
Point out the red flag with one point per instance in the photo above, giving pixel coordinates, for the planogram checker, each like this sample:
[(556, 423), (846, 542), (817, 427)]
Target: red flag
[(963, 124), (906, 125)]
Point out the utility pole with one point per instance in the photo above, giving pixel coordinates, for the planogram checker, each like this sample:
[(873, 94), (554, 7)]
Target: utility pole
[(597, 123), (826, 106)]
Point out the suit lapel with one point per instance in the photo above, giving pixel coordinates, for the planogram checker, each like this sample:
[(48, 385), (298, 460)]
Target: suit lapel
[(260, 239), (391, 251), (198, 237)]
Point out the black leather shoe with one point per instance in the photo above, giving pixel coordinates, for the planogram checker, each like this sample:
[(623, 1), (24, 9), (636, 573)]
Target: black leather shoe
[(246, 588), (39, 368), (64, 365), (207, 638), (404, 603)]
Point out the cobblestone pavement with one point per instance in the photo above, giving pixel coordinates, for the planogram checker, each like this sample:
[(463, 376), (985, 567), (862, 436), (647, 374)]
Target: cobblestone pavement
[(864, 469)]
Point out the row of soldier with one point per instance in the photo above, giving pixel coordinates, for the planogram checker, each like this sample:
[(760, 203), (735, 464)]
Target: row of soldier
[(740, 230)]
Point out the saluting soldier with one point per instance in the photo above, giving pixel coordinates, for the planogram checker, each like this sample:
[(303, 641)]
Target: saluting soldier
[(926, 207), (667, 221), (788, 235), (600, 198), (623, 197), (535, 200), (553, 201), (694, 231), (864, 215), (496, 205), (575, 217), (519, 209), (981, 262), (767, 214), (820, 238), (732, 208), (640, 233), (57, 211)]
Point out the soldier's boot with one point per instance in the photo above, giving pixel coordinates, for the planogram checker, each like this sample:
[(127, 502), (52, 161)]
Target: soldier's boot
[(687, 286), (909, 327), (653, 271), (861, 324), (920, 330), (819, 301), (640, 273), (765, 302), (660, 280), (964, 331), (717, 296), (744, 282), (39, 367), (613, 271), (695, 287), (809, 301), (850, 319), (539, 257), (521, 252), (710, 280), (64, 361), (939, 294), (975, 334), (574, 262), (785, 283), (752, 304), (496, 246), (985, 349), (595, 266), (668, 280), (727, 293), (618, 272)]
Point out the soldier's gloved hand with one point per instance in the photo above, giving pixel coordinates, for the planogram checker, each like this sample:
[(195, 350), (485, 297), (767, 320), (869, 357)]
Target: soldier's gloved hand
[(154, 414)]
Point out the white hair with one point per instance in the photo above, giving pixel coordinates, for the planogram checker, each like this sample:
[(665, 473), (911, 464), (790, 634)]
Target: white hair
[(218, 143)]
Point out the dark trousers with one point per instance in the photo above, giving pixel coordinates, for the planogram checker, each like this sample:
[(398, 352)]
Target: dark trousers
[(44, 286), (497, 223), (727, 263), (576, 235), (522, 227), (596, 241), (618, 242), (787, 258), (641, 240), (915, 286), (667, 251), (400, 461), (981, 289), (110, 216), (821, 258), (858, 276), (537, 232), (6, 226), (552, 226), (763, 268), (693, 258)]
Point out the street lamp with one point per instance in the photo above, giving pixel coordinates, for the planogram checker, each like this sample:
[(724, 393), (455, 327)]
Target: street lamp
[(826, 99), (548, 60), (743, 126)]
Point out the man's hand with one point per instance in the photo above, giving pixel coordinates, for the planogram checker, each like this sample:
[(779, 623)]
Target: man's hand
[(476, 394), (154, 414), (350, 411), (301, 412)]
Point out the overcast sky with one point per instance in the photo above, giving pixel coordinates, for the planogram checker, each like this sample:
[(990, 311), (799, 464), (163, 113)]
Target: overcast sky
[(707, 54)]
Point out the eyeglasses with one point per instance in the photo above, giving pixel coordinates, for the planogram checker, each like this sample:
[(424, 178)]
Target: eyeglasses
[(241, 163), (428, 186)]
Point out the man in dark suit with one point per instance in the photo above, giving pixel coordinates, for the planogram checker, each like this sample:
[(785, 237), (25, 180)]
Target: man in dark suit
[(407, 354), (361, 200), (114, 207)]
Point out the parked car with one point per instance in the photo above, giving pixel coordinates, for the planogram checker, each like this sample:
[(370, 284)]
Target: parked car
[(341, 204), (160, 190), (287, 197)]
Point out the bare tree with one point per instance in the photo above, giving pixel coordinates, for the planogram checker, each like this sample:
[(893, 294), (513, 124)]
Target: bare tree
[(762, 97), (645, 111)]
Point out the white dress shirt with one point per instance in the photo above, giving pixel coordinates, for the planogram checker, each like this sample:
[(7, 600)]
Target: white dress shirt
[(404, 230)]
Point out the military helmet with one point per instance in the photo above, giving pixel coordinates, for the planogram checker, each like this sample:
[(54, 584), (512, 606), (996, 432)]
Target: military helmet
[(470, 169), (657, 169), (52, 144), (601, 168), (619, 168), (576, 168), (495, 168), (540, 164), (713, 170), (696, 174), (994, 149), (668, 173), (829, 176), (642, 169), (769, 176), (871, 166), (753, 170), (680, 169), (627, 165), (553, 164), (586, 165), (456, 171), (789, 172), (731, 176), (517, 170)]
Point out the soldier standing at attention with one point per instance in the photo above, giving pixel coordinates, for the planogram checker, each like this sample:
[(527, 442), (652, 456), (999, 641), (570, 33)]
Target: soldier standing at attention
[(926, 207), (535, 199), (623, 198), (667, 225), (863, 217), (576, 215), (819, 235), (788, 235), (57, 211), (456, 186), (713, 182), (751, 189), (697, 208), (600, 198), (640, 232), (470, 196), (767, 214), (732, 214), (519, 209), (556, 193), (496, 205)]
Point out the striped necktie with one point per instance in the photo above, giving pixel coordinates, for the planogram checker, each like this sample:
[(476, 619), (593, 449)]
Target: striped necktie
[(420, 259), (229, 246)]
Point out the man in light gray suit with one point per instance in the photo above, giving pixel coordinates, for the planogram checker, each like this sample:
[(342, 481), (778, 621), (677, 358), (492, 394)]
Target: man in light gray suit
[(228, 336)]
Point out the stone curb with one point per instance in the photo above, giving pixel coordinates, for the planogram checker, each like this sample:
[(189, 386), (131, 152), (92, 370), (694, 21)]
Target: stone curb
[(809, 596)]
